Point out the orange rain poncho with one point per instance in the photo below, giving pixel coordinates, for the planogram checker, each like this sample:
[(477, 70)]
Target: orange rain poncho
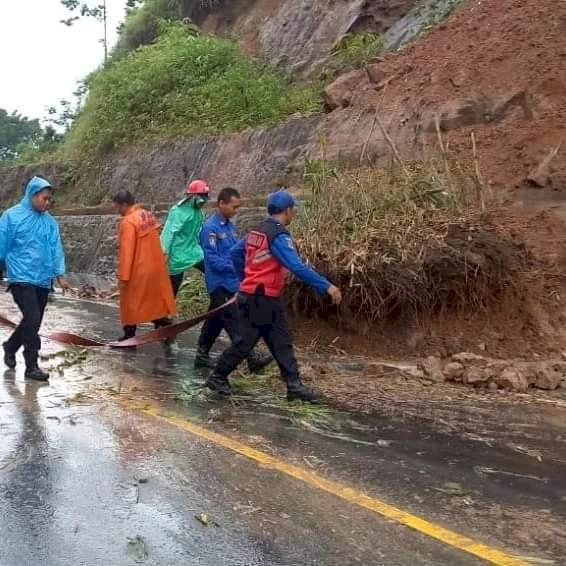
[(146, 293)]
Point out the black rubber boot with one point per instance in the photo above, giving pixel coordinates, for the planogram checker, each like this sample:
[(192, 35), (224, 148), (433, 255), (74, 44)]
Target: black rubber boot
[(298, 391), (202, 359), (32, 369), (9, 357), (36, 374), (257, 362), (220, 385)]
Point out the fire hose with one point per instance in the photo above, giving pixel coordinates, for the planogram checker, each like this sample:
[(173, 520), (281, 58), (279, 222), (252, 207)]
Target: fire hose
[(158, 335)]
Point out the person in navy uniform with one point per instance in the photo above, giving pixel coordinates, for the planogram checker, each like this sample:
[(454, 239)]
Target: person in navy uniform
[(263, 260), (217, 238)]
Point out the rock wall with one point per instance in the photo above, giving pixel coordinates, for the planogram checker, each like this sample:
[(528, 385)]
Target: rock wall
[(90, 241), (300, 34), (253, 162)]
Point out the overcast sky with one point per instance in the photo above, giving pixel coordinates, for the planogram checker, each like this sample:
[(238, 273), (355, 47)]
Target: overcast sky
[(41, 60)]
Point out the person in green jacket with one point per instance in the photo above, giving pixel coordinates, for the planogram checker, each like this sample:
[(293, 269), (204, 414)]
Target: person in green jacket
[(180, 235)]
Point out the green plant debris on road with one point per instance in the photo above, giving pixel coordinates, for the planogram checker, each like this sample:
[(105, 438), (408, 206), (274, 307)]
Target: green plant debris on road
[(71, 357)]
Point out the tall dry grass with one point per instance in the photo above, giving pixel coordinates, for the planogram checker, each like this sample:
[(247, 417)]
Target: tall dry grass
[(404, 240)]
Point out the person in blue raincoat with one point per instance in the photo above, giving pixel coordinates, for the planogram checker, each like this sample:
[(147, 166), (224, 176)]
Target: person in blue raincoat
[(32, 252)]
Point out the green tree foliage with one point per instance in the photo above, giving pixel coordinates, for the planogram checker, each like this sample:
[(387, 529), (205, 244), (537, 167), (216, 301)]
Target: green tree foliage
[(144, 18), (182, 85), (16, 130), (144, 24)]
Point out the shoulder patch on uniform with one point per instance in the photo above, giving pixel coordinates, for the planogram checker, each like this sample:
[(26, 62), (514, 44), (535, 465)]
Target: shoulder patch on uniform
[(212, 238), (290, 244)]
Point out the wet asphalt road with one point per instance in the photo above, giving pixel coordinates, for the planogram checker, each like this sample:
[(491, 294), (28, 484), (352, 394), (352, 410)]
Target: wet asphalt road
[(87, 479)]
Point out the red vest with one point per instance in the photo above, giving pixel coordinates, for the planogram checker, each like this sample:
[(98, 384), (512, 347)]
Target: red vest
[(262, 269)]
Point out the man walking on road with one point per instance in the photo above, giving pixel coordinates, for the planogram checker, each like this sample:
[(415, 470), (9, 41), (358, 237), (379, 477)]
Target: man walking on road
[(265, 257), (180, 236), (145, 289), (32, 251), (217, 238)]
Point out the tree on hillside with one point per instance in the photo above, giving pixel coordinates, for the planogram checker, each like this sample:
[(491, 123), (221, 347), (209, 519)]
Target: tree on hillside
[(66, 112), (16, 130), (98, 12)]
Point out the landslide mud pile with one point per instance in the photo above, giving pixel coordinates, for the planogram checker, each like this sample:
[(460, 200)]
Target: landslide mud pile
[(495, 67)]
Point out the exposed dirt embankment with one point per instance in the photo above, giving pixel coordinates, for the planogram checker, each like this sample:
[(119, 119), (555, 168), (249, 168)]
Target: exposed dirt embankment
[(496, 68), (527, 319)]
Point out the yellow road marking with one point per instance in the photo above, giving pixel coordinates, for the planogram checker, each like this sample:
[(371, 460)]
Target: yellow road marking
[(351, 495)]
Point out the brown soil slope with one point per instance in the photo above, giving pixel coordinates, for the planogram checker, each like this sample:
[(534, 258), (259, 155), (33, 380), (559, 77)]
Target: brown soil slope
[(497, 67)]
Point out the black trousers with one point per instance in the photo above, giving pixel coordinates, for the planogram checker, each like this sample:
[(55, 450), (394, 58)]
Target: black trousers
[(261, 317), (177, 280), (227, 319), (31, 301)]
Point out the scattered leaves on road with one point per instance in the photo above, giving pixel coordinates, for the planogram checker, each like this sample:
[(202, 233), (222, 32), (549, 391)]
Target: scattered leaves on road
[(137, 547)]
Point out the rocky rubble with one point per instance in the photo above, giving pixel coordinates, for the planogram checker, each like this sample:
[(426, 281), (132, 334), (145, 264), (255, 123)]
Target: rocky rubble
[(482, 372)]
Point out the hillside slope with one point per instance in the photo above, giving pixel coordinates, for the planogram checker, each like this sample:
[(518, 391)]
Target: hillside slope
[(496, 67)]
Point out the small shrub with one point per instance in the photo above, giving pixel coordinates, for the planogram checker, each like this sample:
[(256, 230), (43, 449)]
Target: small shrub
[(144, 25), (356, 49)]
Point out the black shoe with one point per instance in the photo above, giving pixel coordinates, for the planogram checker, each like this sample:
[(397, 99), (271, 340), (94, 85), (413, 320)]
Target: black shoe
[(300, 392), (9, 358), (36, 374), (220, 385), (257, 362), (202, 360)]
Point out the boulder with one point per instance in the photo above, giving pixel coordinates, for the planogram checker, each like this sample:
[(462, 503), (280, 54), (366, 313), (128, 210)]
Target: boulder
[(453, 371), (475, 376), (496, 367), (375, 73), (468, 358), (513, 378), (339, 94), (547, 377), (432, 367)]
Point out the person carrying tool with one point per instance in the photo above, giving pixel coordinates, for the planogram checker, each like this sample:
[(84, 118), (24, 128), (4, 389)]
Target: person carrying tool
[(32, 251), (264, 258), (217, 238), (145, 289), (180, 236)]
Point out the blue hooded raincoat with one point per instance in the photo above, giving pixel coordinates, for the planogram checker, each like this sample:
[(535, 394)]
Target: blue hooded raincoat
[(30, 243)]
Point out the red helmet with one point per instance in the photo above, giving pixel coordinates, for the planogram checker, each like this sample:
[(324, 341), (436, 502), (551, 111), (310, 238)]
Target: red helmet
[(197, 188)]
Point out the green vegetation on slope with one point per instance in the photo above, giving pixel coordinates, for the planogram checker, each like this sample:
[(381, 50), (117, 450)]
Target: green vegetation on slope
[(357, 49), (180, 86), (144, 24)]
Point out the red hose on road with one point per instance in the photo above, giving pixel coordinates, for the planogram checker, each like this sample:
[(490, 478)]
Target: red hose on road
[(149, 338)]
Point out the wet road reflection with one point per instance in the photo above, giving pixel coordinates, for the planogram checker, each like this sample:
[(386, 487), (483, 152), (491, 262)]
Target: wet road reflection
[(85, 481)]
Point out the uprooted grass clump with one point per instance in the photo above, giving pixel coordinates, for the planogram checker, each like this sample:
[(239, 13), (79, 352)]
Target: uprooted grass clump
[(192, 299), (405, 241)]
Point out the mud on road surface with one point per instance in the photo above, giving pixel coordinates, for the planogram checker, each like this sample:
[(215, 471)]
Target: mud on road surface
[(123, 460)]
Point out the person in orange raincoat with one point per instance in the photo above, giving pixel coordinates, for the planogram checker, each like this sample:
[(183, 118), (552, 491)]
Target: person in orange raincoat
[(145, 289)]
